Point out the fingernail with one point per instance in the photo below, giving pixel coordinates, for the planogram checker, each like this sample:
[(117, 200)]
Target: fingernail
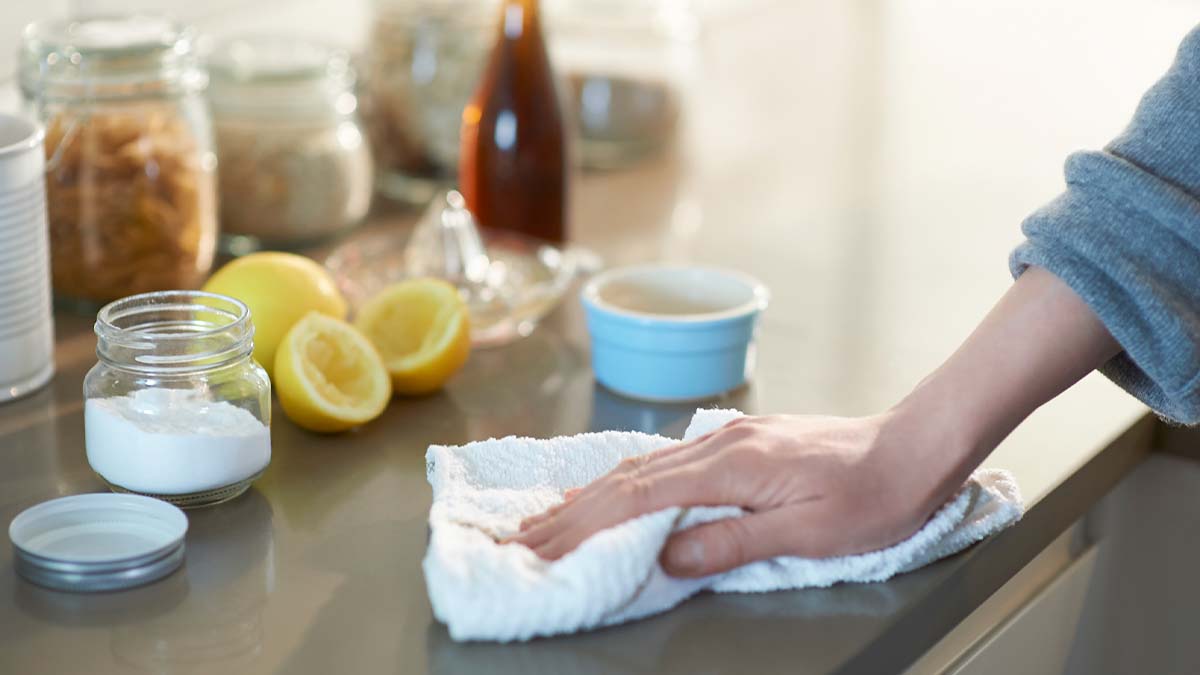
[(685, 557)]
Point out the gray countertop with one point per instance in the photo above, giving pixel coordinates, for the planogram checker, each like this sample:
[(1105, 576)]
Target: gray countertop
[(848, 155), (318, 567)]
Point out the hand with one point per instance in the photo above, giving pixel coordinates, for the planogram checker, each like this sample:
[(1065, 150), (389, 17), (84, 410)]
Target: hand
[(812, 486), (822, 486)]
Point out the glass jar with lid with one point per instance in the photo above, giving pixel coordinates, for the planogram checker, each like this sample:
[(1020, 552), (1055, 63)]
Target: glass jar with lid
[(629, 67), (176, 407), (294, 167), (420, 68), (130, 174)]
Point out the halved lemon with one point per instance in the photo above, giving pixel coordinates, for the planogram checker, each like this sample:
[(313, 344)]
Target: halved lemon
[(279, 288), (328, 375), (421, 329)]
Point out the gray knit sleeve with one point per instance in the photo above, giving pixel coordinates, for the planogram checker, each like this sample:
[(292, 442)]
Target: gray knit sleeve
[(1125, 235)]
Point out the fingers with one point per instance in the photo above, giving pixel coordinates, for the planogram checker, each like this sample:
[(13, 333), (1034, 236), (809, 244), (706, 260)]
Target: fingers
[(631, 466), (568, 495), (679, 475), (619, 500), (659, 459), (555, 547), (532, 521), (725, 544)]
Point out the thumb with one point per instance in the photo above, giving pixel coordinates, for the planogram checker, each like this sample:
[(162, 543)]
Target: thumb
[(722, 545)]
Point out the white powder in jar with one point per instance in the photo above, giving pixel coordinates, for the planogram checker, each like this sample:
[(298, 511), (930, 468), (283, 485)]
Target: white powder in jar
[(173, 441)]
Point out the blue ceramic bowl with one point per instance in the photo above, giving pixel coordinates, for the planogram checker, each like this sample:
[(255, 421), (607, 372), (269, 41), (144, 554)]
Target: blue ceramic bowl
[(672, 333)]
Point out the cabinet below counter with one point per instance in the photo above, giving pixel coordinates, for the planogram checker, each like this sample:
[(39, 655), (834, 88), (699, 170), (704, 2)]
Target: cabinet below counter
[(1114, 593)]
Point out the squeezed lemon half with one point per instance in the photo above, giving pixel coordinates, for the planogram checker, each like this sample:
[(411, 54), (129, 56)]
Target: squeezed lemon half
[(422, 330), (328, 375)]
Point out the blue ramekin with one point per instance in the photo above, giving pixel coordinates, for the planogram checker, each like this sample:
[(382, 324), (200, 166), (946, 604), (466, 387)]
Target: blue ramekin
[(694, 340)]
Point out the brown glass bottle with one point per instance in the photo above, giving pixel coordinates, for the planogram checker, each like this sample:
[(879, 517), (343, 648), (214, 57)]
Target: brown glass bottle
[(513, 166)]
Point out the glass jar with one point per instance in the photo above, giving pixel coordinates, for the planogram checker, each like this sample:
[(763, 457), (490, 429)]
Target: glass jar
[(176, 408), (628, 67), (130, 174), (294, 167), (421, 65)]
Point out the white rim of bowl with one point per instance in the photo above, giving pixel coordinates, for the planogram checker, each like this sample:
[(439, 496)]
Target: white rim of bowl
[(760, 296)]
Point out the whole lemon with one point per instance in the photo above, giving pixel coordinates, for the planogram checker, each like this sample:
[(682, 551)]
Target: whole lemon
[(279, 289)]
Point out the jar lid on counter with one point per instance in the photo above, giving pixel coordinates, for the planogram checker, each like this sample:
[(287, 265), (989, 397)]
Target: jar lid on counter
[(114, 53), (98, 542)]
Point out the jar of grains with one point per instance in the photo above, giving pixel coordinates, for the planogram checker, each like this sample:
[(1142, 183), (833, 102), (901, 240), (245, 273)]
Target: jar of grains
[(294, 166), (630, 69), (130, 174), (176, 407), (421, 65)]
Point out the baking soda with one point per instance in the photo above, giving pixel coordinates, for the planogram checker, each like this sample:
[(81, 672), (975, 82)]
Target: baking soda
[(173, 441)]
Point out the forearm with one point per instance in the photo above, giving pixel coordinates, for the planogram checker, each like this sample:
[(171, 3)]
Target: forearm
[(1125, 236), (1037, 341)]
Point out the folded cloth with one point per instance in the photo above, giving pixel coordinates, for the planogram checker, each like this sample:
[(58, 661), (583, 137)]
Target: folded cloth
[(483, 590)]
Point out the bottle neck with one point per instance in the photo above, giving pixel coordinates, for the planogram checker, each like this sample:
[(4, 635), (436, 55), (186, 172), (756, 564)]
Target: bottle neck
[(519, 18), (174, 333)]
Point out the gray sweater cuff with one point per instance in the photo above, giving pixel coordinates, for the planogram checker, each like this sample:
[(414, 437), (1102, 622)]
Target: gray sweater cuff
[(1126, 237), (1129, 244)]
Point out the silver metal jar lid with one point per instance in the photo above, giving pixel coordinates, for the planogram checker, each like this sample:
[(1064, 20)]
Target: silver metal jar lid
[(98, 542)]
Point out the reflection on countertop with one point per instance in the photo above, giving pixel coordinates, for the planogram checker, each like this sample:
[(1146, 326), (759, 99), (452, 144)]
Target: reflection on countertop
[(207, 616), (614, 412), (229, 574), (529, 388), (699, 643)]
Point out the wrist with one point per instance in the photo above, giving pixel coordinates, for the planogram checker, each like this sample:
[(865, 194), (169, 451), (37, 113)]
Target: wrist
[(953, 421), (933, 439), (1037, 341)]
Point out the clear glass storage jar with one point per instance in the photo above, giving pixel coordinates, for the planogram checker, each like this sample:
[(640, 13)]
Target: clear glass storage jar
[(629, 68), (294, 167), (422, 62), (130, 171), (176, 408)]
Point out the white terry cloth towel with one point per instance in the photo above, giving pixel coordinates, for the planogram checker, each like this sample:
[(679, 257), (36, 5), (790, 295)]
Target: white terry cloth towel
[(482, 590)]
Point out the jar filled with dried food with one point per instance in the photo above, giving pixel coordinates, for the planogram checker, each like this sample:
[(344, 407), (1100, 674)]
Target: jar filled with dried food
[(130, 171), (421, 65), (294, 165), (629, 67)]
